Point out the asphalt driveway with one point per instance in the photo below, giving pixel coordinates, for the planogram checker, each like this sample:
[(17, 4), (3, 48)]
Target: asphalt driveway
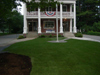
[(92, 37), (8, 38)]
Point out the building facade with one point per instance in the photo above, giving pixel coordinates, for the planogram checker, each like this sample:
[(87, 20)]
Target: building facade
[(44, 22)]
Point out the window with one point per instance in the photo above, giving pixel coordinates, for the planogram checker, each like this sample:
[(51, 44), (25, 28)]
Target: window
[(48, 8), (64, 8), (49, 24)]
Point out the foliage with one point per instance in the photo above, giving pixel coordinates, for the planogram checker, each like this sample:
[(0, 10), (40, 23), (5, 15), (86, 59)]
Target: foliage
[(59, 35), (9, 21), (96, 26), (31, 5), (6, 6), (20, 37), (13, 24), (93, 33), (78, 35), (42, 36), (87, 13), (50, 35), (75, 57)]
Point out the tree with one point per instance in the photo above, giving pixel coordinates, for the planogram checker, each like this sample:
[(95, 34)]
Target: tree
[(6, 6), (2, 25), (15, 22), (8, 19), (87, 13)]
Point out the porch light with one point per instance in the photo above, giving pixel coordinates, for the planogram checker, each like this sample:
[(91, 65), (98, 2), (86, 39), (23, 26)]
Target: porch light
[(65, 19)]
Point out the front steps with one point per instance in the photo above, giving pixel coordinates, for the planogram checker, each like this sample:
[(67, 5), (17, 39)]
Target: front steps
[(35, 34), (32, 35), (68, 34)]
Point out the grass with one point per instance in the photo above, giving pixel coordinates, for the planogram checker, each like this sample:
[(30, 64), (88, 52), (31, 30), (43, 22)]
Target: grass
[(75, 57)]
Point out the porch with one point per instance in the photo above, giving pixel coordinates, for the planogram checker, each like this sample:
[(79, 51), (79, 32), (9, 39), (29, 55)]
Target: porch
[(48, 26), (34, 14)]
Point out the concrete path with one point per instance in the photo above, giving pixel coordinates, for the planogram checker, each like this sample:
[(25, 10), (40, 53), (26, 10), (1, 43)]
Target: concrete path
[(6, 41)]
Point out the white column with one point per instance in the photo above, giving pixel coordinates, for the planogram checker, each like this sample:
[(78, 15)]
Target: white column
[(75, 28), (61, 26), (70, 25), (57, 21), (39, 21), (25, 20), (70, 19)]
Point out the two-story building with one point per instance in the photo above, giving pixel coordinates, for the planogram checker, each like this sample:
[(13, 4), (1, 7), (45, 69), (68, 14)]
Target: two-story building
[(44, 22)]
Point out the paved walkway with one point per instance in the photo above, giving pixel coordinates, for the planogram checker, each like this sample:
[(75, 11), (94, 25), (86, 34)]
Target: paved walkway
[(6, 41)]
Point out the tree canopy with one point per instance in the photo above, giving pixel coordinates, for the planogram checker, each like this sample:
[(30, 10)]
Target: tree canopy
[(6, 6), (87, 13)]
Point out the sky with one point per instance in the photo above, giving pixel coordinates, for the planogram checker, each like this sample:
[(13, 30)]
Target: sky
[(20, 8)]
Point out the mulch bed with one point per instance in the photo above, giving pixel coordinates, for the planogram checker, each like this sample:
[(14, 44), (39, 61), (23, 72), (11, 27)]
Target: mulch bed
[(14, 64)]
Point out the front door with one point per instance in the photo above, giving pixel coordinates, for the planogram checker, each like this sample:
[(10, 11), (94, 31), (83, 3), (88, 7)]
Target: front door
[(32, 26), (66, 26)]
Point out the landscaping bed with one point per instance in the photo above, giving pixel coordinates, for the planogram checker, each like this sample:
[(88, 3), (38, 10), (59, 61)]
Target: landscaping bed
[(14, 64)]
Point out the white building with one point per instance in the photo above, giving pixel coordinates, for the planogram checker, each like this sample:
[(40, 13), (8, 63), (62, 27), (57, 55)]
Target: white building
[(44, 22)]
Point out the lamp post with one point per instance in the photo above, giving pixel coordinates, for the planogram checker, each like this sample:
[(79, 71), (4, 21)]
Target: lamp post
[(57, 22)]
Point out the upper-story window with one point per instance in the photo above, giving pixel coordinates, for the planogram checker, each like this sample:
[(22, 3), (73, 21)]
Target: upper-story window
[(64, 8), (48, 8)]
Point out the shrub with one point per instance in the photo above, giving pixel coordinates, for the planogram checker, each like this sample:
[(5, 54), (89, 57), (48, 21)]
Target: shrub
[(42, 36), (50, 35), (20, 37), (96, 26), (78, 35), (59, 35), (93, 33)]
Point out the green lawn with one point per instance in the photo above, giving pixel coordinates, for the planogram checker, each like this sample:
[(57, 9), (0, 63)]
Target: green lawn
[(75, 57)]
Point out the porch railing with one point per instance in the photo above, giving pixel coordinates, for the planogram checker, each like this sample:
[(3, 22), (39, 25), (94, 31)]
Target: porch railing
[(54, 0), (35, 14)]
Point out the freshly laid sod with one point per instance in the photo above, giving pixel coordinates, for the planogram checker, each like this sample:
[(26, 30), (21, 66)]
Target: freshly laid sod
[(75, 57)]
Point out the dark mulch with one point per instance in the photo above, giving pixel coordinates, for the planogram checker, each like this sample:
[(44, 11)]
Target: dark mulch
[(14, 64)]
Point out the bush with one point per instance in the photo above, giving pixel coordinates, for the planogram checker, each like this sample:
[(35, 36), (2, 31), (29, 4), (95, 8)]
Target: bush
[(20, 37), (50, 35), (93, 33), (42, 36), (96, 27), (78, 35), (60, 35)]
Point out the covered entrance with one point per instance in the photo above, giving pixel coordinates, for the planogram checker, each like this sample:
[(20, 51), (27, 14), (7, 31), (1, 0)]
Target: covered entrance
[(32, 26), (66, 26)]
